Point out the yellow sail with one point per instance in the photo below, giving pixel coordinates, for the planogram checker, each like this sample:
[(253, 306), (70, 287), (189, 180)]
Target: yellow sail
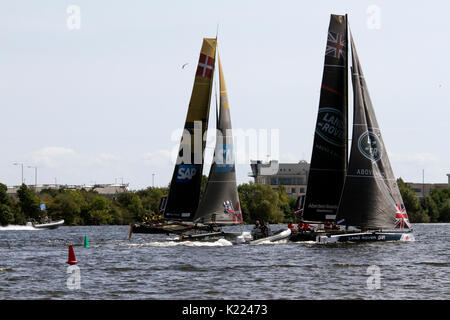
[(223, 88), (200, 98), (184, 192)]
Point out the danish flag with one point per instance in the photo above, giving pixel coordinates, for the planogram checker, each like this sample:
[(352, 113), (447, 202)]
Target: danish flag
[(401, 218), (205, 66), (335, 45)]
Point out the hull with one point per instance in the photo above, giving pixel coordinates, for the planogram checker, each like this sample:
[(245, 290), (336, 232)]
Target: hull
[(312, 235), (302, 236), (51, 225), (280, 235), (367, 237), (160, 228)]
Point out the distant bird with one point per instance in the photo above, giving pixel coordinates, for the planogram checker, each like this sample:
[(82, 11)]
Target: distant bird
[(184, 65)]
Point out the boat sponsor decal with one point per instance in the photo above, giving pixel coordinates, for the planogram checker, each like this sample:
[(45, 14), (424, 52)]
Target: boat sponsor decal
[(331, 90), (370, 146), (330, 126), (336, 45), (370, 173), (205, 66), (330, 208), (185, 214), (186, 172)]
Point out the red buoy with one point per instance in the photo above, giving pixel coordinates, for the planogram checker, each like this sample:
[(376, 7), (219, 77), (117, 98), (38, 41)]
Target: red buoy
[(72, 259)]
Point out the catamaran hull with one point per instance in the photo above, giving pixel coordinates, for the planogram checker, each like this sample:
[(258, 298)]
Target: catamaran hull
[(159, 228), (302, 236), (366, 237)]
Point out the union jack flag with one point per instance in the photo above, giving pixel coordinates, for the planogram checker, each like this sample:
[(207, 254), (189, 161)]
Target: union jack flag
[(335, 45), (401, 218), (236, 213), (228, 207), (300, 203), (237, 216)]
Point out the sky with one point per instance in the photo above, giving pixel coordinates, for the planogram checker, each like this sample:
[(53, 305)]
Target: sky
[(94, 91)]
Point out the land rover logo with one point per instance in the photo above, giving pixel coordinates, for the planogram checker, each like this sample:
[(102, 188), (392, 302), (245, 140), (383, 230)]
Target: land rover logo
[(370, 146), (330, 126)]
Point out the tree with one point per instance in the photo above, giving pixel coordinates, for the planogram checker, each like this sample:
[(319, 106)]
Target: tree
[(412, 205), (131, 202), (151, 198), (430, 208), (29, 203), (66, 207), (6, 213), (99, 211), (260, 202), (444, 211)]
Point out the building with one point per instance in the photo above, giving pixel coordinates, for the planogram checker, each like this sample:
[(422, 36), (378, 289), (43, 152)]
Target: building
[(424, 189), (103, 189), (293, 176)]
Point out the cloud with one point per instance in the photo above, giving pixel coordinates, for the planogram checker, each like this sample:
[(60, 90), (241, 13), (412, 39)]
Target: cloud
[(106, 158), (414, 158), (159, 158), (53, 157), (412, 167)]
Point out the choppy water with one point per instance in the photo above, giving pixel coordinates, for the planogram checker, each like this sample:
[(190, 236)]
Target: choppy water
[(33, 266)]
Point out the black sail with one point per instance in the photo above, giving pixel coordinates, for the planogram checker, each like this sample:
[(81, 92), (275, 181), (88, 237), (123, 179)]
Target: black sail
[(184, 191), (371, 198), (220, 201), (329, 155)]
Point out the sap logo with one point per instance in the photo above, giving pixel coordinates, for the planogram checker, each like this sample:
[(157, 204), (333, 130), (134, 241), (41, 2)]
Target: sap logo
[(186, 173)]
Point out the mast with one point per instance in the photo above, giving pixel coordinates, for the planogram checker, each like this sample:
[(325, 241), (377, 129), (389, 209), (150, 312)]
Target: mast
[(329, 155), (371, 198), (220, 202), (184, 192)]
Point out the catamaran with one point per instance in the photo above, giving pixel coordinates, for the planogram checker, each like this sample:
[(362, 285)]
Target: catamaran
[(183, 210), (360, 193)]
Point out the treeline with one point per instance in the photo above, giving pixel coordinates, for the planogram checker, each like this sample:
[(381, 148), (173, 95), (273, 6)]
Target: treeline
[(82, 207), (434, 207), (258, 202)]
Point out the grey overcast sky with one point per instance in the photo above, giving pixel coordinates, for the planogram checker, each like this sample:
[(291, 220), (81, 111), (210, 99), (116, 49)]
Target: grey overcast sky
[(101, 103)]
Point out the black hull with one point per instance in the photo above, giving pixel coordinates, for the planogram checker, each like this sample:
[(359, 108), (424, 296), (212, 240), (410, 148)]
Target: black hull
[(364, 237), (159, 228), (302, 236)]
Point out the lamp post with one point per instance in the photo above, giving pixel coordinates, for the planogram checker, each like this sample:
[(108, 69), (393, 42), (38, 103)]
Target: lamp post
[(153, 180), (35, 175), (19, 164)]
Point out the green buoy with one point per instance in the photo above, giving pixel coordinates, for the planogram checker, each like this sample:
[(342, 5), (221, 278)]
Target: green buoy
[(86, 242)]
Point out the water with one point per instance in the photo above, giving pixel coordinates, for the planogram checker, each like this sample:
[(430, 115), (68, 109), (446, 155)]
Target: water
[(33, 266)]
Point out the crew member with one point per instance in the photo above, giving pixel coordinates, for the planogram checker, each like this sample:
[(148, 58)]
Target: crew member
[(303, 226)]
